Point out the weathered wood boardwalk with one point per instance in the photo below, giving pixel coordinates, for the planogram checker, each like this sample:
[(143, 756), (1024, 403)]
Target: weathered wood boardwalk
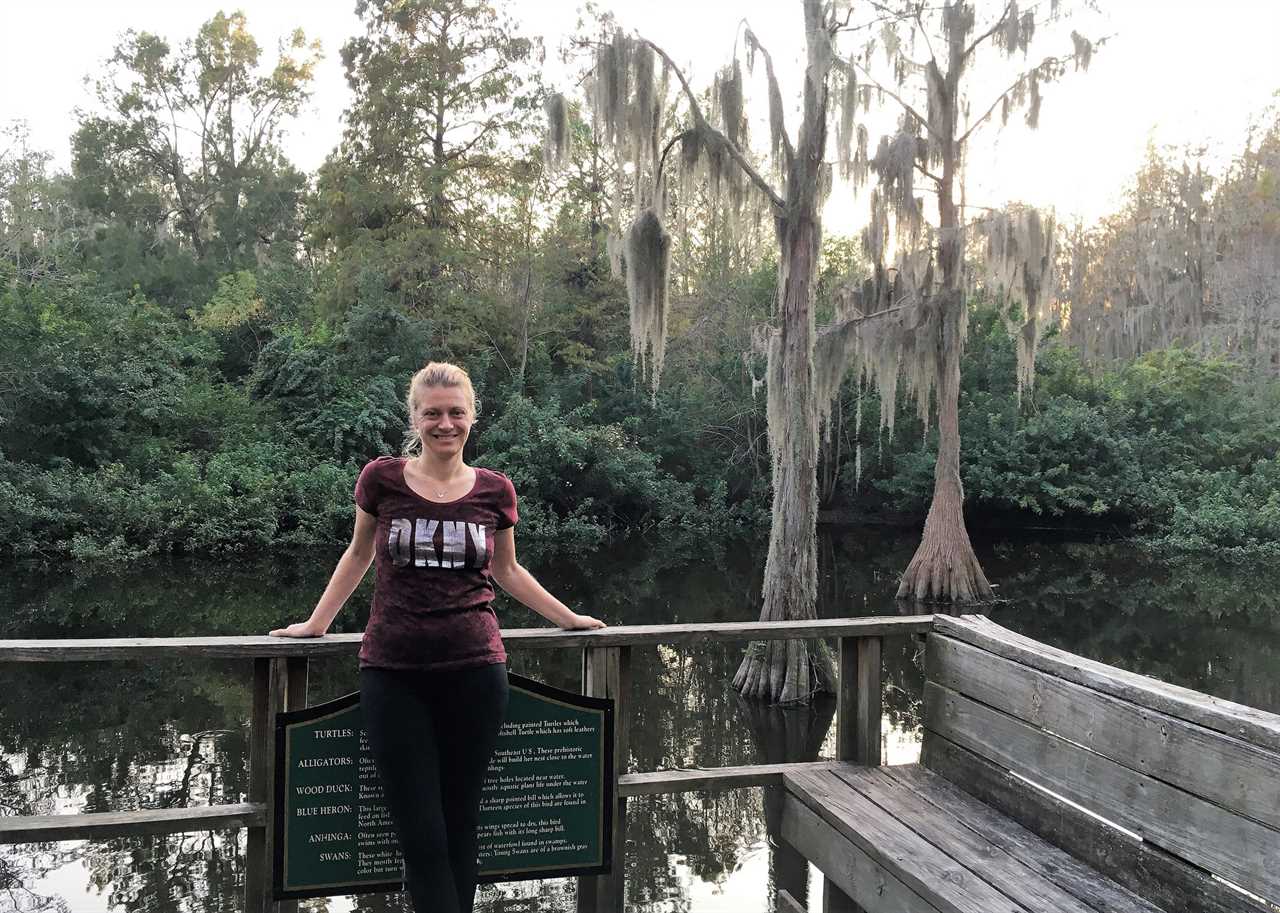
[(1048, 782), (1051, 784)]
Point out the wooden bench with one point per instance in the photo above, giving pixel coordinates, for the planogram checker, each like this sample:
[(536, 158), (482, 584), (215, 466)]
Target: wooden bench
[(1049, 782)]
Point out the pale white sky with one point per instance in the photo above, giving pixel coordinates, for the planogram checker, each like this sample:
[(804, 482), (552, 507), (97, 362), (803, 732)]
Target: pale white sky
[(1177, 71)]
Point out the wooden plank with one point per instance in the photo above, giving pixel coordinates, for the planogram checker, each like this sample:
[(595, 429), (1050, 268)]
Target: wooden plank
[(270, 691), (787, 903), (1236, 848), (858, 709), (257, 879), (1002, 871), (1143, 868), (606, 672), (1060, 867), (104, 825), (148, 648), (835, 900), (297, 675), (845, 865), (1233, 719), (1227, 771), (708, 779), (928, 871)]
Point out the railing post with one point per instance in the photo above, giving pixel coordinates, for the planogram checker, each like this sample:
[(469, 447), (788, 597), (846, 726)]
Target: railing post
[(858, 714), (278, 684), (606, 672), (858, 711)]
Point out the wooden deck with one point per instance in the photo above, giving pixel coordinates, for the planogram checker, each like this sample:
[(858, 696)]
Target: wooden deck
[(1047, 782), (906, 839), (1050, 783)]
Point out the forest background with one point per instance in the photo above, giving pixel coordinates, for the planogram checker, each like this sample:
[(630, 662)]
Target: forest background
[(200, 343)]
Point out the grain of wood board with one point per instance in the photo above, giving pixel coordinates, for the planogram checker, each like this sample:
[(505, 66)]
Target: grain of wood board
[(1005, 872), (1225, 770), (105, 825), (842, 863), (1170, 883), (247, 647), (929, 872), (1078, 879), (1236, 848), (1247, 723), (709, 779)]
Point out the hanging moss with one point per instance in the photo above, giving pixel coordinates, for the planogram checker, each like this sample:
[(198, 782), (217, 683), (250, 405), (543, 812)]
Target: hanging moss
[(1021, 252), (644, 103), (728, 89), (557, 142), (894, 163), (1033, 109), (1083, 51), (845, 110), (648, 256)]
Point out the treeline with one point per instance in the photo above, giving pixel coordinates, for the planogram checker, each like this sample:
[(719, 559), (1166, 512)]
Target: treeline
[(200, 344)]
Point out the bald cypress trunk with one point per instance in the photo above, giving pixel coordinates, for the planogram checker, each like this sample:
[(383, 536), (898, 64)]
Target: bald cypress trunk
[(789, 671), (944, 566)]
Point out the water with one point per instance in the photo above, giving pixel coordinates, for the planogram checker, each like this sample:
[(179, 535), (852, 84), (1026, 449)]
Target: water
[(119, 736)]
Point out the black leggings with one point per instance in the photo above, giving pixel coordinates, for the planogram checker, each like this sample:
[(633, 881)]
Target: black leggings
[(431, 734)]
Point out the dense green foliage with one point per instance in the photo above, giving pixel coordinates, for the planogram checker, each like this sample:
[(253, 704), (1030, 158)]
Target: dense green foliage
[(200, 345), (1177, 447)]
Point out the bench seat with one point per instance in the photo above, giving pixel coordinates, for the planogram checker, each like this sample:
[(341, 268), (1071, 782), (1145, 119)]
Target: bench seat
[(905, 839)]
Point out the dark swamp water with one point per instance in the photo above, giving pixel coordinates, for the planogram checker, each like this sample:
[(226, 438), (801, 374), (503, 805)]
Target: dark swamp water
[(114, 736)]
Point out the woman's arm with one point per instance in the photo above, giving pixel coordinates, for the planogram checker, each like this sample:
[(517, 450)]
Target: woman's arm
[(346, 577), (517, 581)]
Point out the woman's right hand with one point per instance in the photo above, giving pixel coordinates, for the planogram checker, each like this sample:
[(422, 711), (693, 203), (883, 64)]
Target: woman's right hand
[(582, 623), (299, 629)]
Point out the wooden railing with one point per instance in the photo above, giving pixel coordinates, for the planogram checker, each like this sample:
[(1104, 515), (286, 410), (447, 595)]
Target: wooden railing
[(280, 671)]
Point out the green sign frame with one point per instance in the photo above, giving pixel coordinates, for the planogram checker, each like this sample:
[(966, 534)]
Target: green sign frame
[(546, 807)]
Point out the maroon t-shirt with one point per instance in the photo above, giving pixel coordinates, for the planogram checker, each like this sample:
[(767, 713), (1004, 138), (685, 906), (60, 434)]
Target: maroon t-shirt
[(433, 596)]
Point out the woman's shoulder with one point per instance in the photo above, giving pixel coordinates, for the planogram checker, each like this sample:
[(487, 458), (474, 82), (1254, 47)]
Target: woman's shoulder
[(494, 481), (380, 469), (382, 464)]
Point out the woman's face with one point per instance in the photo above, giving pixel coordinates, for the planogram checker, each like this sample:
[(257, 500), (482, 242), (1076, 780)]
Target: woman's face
[(443, 419)]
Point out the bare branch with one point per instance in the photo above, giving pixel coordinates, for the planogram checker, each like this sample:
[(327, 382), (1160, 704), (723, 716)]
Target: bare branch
[(773, 90), (999, 24), (703, 124), (1062, 61), (924, 121)]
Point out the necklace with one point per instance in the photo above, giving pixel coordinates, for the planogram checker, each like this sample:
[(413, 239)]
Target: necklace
[(437, 487)]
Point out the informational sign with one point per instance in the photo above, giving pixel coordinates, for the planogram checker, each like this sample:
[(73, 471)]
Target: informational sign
[(545, 810)]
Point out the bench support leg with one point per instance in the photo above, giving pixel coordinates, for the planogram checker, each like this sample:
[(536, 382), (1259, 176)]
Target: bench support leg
[(836, 901)]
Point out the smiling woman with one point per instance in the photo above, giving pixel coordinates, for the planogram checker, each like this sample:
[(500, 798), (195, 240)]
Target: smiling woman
[(433, 675)]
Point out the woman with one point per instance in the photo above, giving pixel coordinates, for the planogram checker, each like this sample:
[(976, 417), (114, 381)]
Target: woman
[(433, 675)]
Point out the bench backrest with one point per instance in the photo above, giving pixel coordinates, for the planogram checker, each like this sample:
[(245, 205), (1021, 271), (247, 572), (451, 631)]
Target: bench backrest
[(1188, 785)]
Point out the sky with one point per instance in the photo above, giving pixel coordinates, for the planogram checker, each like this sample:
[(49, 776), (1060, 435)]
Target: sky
[(1175, 72)]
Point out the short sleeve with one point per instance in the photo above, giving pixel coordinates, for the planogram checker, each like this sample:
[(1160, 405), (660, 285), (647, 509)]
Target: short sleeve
[(508, 516), (367, 488)]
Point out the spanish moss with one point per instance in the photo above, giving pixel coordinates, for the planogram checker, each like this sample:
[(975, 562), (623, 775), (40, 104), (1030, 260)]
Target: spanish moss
[(648, 256)]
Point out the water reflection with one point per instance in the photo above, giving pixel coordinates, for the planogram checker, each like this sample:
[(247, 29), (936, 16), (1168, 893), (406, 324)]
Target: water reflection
[(119, 736)]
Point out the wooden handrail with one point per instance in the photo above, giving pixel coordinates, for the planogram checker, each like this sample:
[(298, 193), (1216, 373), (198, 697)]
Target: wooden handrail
[(261, 647), (280, 683), (106, 825)]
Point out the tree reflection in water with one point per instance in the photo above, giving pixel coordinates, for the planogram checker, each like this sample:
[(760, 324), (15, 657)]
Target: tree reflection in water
[(114, 736)]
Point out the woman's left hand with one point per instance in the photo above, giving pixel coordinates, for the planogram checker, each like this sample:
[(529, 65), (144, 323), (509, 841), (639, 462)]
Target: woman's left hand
[(582, 623)]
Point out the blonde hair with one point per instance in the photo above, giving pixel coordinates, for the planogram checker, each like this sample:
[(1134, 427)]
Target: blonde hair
[(434, 374)]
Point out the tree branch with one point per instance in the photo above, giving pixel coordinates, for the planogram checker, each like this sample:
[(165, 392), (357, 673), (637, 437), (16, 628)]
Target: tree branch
[(999, 24), (736, 154), (845, 324), (899, 99), (773, 86), (1021, 76)]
